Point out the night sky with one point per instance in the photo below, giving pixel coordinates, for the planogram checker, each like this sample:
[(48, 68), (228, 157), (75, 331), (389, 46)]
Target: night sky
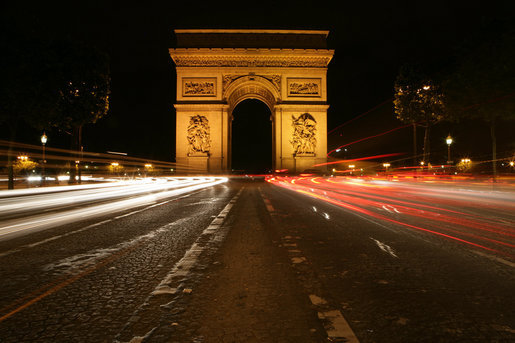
[(371, 41)]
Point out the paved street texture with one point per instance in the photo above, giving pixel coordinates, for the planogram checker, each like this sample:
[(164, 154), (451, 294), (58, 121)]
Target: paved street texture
[(355, 280), (250, 262)]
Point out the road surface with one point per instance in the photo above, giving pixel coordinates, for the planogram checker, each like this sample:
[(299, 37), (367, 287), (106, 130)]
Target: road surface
[(290, 260)]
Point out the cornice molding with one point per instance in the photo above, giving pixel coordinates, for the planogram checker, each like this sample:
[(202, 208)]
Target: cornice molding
[(185, 57)]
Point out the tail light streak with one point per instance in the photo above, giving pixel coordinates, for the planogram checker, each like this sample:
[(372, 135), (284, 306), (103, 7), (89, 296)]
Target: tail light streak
[(389, 203)]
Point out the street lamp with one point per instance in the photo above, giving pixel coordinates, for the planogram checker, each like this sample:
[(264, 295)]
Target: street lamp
[(44, 139), (386, 165), (448, 140)]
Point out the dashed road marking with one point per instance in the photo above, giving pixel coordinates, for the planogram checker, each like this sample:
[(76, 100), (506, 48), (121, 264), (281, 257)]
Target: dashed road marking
[(183, 267), (337, 327), (170, 285), (384, 247)]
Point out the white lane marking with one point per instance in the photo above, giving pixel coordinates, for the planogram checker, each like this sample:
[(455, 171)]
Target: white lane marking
[(389, 208), (297, 260), (326, 215), (316, 300), (386, 209), (186, 263), (70, 264), (384, 247), (169, 285), (334, 323), (337, 327)]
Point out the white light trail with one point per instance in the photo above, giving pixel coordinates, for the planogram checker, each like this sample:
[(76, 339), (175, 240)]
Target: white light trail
[(141, 194)]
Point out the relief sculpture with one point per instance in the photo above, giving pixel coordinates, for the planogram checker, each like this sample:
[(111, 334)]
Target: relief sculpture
[(198, 135), (199, 88), (304, 87), (304, 130)]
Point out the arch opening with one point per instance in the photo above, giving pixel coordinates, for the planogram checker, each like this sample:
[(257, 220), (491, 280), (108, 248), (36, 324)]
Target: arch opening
[(251, 143)]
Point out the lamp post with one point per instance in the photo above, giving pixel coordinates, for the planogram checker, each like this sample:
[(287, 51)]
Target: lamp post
[(386, 165), (448, 140), (44, 139)]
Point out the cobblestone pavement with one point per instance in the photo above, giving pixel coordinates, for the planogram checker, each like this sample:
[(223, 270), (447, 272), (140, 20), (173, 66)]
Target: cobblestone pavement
[(83, 282), (249, 262), (293, 268), (249, 294)]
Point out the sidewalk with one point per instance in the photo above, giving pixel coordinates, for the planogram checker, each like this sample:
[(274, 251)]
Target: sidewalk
[(250, 293)]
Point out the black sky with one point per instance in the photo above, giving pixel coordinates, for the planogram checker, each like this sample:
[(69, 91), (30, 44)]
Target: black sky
[(371, 39)]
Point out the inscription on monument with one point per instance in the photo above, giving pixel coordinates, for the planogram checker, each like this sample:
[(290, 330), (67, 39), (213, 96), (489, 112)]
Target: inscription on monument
[(304, 130), (199, 87), (199, 139), (304, 87)]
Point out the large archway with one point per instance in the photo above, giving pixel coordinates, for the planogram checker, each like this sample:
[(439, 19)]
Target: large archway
[(219, 69), (251, 138)]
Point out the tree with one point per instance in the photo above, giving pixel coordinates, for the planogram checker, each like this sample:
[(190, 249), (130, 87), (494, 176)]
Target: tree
[(482, 85), (418, 101), (84, 91), (49, 78), (80, 79)]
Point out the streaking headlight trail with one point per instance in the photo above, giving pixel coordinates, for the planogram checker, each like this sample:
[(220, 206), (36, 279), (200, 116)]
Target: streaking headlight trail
[(86, 202)]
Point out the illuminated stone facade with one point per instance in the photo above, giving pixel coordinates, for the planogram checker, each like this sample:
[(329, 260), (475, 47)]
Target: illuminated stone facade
[(217, 69)]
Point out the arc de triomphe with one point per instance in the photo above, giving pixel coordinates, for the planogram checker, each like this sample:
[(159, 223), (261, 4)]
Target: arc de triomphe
[(217, 69)]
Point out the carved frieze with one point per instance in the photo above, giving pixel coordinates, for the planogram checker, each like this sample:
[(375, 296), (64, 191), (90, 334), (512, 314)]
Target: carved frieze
[(193, 86), (251, 61), (304, 87), (304, 131), (228, 79), (199, 138)]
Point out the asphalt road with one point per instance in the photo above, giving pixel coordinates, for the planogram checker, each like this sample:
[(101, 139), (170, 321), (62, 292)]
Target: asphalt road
[(313, 260)]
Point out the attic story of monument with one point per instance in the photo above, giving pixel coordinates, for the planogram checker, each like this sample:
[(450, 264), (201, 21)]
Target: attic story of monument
[(218, 69)]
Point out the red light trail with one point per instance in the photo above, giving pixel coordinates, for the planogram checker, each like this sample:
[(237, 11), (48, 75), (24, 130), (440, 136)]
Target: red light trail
[(360, 159), (369, 137), (478, 219)]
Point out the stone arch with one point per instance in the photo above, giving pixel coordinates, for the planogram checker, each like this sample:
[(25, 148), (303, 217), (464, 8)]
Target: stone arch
[(252, 87), (217, 69)]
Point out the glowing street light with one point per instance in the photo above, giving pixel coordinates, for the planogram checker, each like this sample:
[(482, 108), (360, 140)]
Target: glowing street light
[(44, 139), (386, 165), (448, 140)]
